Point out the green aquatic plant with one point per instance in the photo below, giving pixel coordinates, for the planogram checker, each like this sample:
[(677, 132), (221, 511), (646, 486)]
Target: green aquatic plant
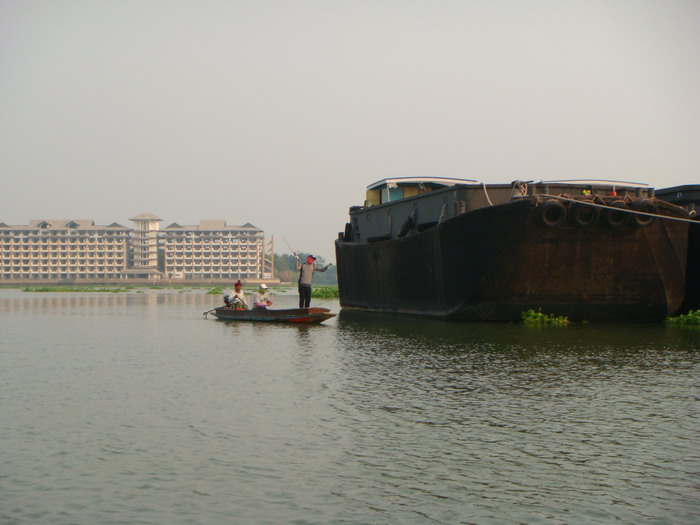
[(215, 291), (532, 318), (325, 292), (691, 318), (75, 289)]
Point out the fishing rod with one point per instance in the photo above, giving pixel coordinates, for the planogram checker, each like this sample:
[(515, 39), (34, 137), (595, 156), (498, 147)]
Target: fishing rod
[(295, 253)]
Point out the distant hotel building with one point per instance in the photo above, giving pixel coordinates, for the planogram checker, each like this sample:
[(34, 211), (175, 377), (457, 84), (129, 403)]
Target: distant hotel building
[(214, 250), (79, 250)]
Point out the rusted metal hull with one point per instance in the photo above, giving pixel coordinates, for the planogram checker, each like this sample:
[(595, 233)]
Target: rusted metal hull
[(494, 263), (692, 289), (688, 197)]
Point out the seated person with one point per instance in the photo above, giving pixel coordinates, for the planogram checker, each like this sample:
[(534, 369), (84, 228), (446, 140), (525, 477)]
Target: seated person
[(238, 299), (261, 298)]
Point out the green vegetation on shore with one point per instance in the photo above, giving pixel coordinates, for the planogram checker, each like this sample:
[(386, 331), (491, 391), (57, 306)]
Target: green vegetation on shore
[(103, 289), (692, 318), (110, 289), (532, 318), (325, 292)]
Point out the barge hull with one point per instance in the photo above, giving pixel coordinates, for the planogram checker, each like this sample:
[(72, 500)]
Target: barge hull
[(493, 263)]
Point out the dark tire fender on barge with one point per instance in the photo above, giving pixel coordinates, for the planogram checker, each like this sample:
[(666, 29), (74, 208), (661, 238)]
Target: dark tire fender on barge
[(644, 206), (613, 217), (552, 213), (584, 215)]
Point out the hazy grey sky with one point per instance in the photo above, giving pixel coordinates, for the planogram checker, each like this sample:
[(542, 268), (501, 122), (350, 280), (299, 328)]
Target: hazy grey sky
[(280, 113)]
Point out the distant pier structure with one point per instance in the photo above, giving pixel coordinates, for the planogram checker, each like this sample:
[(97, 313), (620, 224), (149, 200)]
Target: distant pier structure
[(53, 250)]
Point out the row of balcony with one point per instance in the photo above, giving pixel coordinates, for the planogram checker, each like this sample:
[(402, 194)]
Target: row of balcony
[(124, 247), (199, 269), (16, 243), (211, 255), (76, 253), (56, 259), (121, 254), (64, 275), (61, 238), (169, 236), (222, 275), (222, 262), (33, 271), (211, 235), (169, 242)]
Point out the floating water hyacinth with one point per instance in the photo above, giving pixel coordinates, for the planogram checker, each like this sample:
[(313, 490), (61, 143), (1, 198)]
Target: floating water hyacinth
[(325, 292), (691, 318), (532, 318), (76, 289)]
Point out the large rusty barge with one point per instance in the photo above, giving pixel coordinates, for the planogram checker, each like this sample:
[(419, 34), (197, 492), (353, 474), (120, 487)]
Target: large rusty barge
[(457, 249)]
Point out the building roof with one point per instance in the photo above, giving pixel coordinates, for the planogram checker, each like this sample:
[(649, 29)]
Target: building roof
[(61, 224), (64, 224), (211, 225), (145, 217), (85, 224)]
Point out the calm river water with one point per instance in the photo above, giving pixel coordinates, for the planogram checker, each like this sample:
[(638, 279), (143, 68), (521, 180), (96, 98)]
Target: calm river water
[(133, 408)]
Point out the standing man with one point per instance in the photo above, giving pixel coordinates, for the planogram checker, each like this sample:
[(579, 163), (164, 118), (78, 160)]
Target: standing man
[(306, 276)]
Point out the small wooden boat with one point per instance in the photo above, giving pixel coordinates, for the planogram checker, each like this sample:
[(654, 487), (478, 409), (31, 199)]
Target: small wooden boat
[(287, 315)]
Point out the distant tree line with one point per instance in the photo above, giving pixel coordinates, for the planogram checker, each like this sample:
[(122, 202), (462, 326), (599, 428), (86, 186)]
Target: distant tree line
[(286, 270)]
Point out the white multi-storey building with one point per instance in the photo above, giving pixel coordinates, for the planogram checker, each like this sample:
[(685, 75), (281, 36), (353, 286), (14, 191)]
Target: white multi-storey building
[(214, 250), (74, 250), (63, 249)]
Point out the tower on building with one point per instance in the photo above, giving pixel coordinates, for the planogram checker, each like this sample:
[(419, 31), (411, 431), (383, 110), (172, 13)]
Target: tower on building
[(143, 260)]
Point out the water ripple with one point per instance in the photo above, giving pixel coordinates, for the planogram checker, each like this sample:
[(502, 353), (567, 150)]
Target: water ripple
[(137, 410)]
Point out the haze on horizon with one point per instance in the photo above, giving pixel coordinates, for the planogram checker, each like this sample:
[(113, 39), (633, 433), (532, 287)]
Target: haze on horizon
[(281, 113)]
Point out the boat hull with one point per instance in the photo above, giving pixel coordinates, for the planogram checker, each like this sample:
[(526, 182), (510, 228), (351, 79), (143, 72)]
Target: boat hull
[(493, 263), (290, 315)]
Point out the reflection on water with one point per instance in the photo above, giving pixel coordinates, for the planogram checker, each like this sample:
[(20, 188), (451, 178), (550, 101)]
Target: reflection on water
[(503, 420), (134, 408), (446, 335), (88, 302)]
